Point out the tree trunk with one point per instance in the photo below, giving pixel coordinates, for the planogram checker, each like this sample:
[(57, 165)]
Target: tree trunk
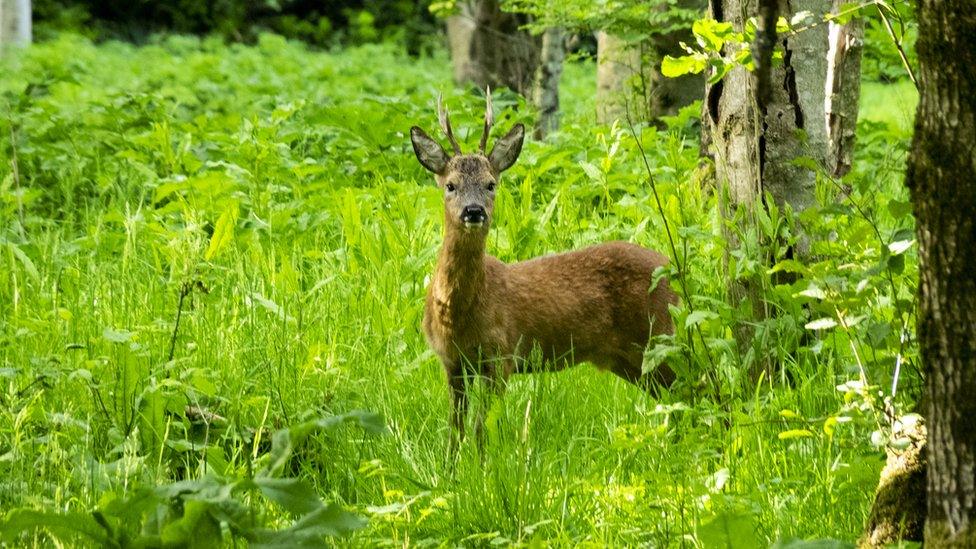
[(754, 148), (629, 74), (488, 48), (15, 22), (460, 30), (546, 94), (940, 177), (617, 64), (898, 512), (843, 91)]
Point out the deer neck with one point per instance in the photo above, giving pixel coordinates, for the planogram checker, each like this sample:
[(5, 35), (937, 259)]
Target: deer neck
[(460, 276)]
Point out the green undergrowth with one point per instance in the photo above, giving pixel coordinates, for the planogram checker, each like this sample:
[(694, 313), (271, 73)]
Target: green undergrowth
[(214, 260)]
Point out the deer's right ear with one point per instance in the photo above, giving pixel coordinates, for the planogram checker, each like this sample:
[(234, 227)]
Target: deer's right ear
[(429, 152)]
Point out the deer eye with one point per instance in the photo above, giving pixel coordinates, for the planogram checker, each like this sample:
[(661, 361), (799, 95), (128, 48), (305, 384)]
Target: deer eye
[(451, 188), (491, 187)]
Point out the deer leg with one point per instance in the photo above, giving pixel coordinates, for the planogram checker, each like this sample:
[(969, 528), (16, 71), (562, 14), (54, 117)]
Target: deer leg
[(459, 407)]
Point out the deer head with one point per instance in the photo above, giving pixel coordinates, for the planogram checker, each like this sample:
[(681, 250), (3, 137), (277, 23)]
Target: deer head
[(468, 180)]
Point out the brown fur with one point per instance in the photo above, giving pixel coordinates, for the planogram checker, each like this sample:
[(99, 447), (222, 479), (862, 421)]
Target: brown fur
[(485, 317)]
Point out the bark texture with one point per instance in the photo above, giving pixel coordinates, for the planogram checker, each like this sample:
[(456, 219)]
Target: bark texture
[(15, 22), (488, 48), (546, 96), (754, 146), (843, 87), (940, 177)]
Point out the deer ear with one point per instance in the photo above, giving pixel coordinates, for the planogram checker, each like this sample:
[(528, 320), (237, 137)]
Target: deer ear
[(429, 152), (507, 149)]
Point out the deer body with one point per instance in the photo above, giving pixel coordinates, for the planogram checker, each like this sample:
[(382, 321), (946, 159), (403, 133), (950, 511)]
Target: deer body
[(485, 318)]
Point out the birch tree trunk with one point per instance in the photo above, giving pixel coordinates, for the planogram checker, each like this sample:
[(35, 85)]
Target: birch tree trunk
[(546, 96), (843, 87), (15, 22), (941, 165), (488, 47)]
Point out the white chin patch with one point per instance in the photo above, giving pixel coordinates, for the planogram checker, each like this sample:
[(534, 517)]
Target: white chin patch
[(471, 225)]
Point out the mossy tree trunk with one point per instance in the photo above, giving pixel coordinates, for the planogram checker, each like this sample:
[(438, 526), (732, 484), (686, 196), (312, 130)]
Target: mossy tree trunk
[(941, 169)]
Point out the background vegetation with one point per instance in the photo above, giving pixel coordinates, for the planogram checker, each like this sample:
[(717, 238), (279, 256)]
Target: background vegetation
[(214, 258)]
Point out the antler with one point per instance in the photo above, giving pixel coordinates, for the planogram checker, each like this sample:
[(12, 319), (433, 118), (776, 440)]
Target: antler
[(445, 120), (489, 120)]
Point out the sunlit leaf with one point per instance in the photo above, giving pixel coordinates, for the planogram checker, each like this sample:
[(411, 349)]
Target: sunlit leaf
[(821, 324), (794, 433)]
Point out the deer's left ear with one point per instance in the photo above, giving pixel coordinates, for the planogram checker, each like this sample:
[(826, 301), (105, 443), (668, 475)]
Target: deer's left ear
[(507, 149), (429, 152)]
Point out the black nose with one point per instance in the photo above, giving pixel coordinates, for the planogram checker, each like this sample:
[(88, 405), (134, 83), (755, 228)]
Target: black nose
[(474, 214)]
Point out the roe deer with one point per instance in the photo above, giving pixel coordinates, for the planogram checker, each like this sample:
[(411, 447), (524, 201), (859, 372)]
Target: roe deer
[(484, 317)]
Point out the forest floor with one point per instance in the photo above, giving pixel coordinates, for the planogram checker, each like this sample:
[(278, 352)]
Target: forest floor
[(266, 199)]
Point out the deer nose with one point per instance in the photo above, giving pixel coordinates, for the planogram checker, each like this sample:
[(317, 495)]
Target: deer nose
[(474, 214)]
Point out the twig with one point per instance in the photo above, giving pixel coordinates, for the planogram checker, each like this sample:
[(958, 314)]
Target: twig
[(891, 32)]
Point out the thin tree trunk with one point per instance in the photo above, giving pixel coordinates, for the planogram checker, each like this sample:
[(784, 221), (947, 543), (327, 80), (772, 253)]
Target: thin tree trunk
[(843, 91), (940, 177), (15, 22), (546, 95)]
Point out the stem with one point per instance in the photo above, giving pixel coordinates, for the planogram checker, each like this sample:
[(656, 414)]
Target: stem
[(894, 39), (184, 291)]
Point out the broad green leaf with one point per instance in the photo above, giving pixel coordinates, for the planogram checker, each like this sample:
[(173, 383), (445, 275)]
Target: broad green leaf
[(728, 529), (292, 494), (813, 292), (698, 317), (711, 34), (223, 231), (900, 247), (673, 67)]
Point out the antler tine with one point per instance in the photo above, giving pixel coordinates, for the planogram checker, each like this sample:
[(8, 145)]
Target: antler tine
[(445, 120), (489, 120)]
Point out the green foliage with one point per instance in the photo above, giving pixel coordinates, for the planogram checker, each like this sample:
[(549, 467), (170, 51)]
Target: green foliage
[(719, 46), (322, 23), (206, 249)]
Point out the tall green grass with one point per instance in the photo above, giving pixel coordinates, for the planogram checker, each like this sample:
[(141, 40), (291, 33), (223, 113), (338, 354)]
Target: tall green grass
[(274, 189)]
